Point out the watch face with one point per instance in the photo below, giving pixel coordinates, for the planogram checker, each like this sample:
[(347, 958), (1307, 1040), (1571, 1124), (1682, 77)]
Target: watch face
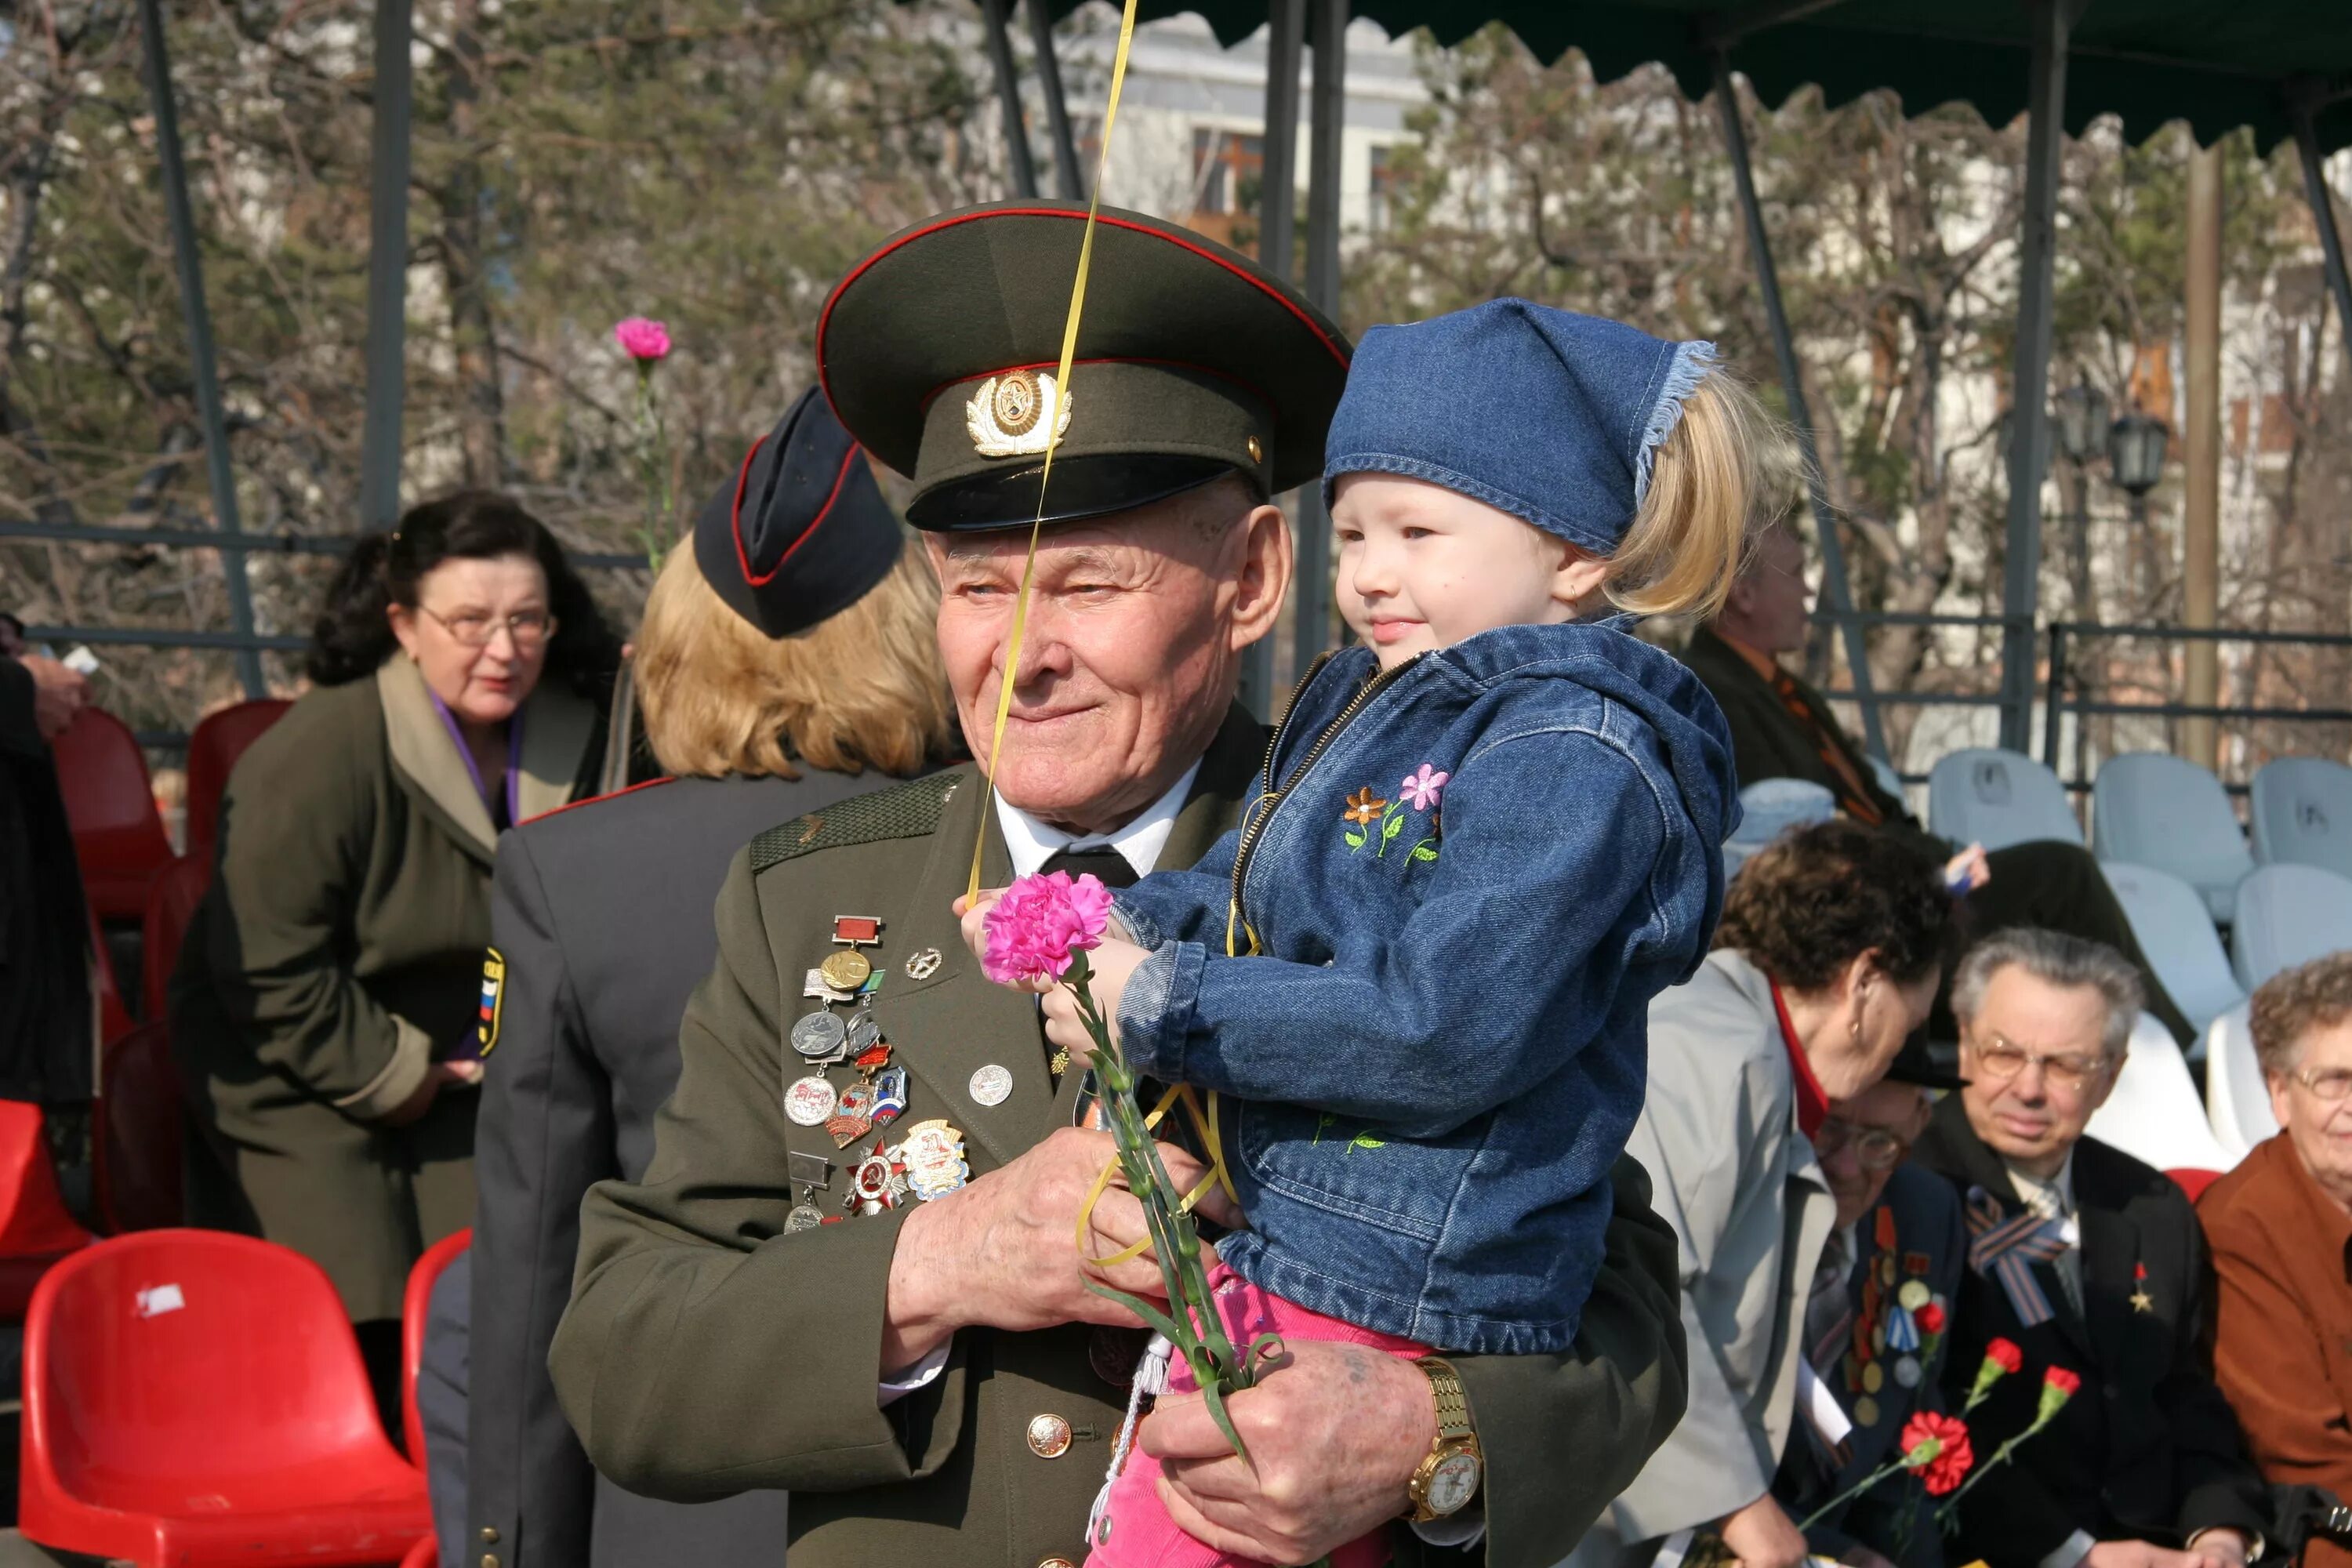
[(1452, 1482)]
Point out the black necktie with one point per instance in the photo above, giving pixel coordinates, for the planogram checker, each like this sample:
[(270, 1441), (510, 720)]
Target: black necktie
[(1106, 864)]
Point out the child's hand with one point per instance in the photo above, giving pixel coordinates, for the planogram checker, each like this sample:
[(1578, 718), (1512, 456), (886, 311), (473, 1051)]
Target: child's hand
[(1110, 963), (974, 914)]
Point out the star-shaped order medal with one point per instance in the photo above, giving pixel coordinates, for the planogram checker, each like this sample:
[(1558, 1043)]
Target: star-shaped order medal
[(2140, 1299)]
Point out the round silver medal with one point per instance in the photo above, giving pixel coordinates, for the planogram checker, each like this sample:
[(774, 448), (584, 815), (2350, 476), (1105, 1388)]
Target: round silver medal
[(809, 1100), (1907, 1371), (819, 1034), (990, 1084), (804, 1217)]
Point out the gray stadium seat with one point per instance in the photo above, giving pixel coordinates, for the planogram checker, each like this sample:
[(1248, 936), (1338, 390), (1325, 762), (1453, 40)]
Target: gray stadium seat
[(1998, 798), (2288, 915), (2178, 935), (2237, 1101), (2153, 1112), (1888, 779), (1770, 807), (2301, 808), (2153, 809)]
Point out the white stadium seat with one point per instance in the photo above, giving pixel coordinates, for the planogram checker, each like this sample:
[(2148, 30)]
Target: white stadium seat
[(2288, 915), (2178, 936), (2152, 809), (1998, 798), (1770, 807), (2153, 1112), (2237, 1101), (2301, 812)]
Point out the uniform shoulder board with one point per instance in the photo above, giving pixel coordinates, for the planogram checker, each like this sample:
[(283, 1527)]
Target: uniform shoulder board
[(909, 811)]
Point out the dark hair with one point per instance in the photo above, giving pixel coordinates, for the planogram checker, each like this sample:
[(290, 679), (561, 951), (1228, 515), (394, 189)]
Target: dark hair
[(353, 634), (1812, 900)]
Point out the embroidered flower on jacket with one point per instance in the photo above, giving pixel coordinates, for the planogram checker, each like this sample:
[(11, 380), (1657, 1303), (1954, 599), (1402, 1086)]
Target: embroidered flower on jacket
[(1364, 807), (1421, 789)]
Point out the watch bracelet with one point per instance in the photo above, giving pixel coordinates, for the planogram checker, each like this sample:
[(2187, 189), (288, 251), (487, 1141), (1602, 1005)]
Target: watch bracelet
[(1453, 1404)]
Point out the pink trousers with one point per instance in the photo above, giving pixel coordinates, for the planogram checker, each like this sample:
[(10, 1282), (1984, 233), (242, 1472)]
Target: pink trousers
[(1134, 1531)]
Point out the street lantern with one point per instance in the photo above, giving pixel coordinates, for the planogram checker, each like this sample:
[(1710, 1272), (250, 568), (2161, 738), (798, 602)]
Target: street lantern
[(2080, 416), (2135, 445)]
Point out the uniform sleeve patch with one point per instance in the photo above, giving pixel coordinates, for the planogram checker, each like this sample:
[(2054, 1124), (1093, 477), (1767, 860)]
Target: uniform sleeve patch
[(907, 811), (494, 995)]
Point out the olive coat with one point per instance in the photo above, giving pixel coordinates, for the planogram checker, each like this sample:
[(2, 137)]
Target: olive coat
[(338, 949), (707, 1352)]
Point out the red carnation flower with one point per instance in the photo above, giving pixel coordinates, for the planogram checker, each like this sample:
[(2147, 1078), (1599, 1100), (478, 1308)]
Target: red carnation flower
[(2011, 1359), (1935, 1448), (2063, 1381), (1930, 1319)]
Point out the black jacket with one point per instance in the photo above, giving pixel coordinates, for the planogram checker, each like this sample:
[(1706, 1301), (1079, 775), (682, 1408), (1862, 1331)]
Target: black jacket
[(44, 994), (2148, 1448)]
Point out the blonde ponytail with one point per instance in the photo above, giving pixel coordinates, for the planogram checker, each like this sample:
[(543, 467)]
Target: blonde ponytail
[(1690, 539)]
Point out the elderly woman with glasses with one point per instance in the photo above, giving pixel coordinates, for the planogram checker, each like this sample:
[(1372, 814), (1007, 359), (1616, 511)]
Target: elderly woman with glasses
[(1833, 941), (327, 1000), (2280, 1229)]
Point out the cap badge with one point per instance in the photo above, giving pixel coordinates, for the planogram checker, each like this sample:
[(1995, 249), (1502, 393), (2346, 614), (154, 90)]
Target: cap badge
[(1016, 415)]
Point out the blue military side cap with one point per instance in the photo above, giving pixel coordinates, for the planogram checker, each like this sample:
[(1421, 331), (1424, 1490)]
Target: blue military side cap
[(802, 532)]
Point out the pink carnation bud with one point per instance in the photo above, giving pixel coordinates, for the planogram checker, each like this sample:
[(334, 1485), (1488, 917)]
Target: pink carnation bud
[(643, 340), (1039, 923)]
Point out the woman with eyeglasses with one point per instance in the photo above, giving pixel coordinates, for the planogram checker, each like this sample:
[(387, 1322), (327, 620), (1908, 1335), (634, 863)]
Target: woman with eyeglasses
[(326, 1011), (1833, 943)]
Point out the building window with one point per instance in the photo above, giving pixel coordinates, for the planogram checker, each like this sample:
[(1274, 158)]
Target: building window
[(1388, 182)]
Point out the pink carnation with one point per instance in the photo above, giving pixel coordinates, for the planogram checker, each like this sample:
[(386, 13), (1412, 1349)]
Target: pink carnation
[(1039, 923), (643, 340)]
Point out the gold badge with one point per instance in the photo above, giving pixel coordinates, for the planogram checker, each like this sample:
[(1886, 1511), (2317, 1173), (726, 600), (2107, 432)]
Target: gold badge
[(1016, 415), (494, 995)]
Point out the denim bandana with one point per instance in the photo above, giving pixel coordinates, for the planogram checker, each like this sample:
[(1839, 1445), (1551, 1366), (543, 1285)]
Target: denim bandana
[(1551, 417)]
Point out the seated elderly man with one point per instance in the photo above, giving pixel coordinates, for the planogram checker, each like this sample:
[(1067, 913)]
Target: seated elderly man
[(1782, 727), (1878, 1319), (2280, 1229), (2088, 1260)]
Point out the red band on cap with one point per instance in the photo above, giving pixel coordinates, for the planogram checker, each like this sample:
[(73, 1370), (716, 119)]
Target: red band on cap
[(1250, 387)]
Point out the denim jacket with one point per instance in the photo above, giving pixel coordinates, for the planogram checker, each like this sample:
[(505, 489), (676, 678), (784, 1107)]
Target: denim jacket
[(1467, 878)]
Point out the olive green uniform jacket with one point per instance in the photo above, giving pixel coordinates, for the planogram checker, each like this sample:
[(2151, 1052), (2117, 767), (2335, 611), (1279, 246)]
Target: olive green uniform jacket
[(706, 1352), (339, 945)]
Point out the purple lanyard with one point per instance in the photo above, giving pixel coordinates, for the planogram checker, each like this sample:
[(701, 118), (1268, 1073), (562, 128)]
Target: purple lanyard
[(473, 771)]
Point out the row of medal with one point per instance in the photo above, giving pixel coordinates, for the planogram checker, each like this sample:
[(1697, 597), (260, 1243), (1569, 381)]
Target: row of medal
[(1888, 1341), (929, 1162)]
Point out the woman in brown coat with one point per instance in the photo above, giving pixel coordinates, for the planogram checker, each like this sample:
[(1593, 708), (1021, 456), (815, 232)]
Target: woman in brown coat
[(325, 1012)]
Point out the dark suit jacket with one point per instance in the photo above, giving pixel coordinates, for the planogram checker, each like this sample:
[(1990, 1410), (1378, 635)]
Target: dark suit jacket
[(602, 913), (1766, 742), (44, 994), (2148, 1448), (1889, 1519)]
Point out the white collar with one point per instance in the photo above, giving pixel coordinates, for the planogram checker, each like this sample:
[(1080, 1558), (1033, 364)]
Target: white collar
[(1030, 842), (2057, 1192)]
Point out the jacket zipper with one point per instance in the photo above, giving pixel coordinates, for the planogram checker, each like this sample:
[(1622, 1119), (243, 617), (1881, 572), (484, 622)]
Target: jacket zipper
[(1272, 800)]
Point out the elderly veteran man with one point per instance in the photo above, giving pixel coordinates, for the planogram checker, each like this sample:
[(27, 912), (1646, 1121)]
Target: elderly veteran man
[(1877, 1320), (903, 1339), (2088, 1260), (2280, 1229)]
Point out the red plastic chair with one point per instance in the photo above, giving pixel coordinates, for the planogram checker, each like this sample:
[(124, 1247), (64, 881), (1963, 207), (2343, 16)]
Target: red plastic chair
[(141, 1129), (425, 1553), (36, 1231), (414, 1302), (195, 1398), (114, 1019), (111, 802), (2194, 1183), (172, 900), (219, 740)]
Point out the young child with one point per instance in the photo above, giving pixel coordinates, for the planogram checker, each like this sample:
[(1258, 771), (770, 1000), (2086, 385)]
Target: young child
[(1489, 835)]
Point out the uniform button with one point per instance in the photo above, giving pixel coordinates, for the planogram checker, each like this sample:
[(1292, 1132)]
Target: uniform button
[(489, 1559), (490, 1533), (1055, 1562), (1049, 1437)]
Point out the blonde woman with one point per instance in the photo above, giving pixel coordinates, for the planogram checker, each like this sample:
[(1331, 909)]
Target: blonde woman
[(787, 661)]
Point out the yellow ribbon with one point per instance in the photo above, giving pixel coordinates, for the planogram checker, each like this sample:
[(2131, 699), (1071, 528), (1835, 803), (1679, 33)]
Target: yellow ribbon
[(1052, 440), (1206, 1122)]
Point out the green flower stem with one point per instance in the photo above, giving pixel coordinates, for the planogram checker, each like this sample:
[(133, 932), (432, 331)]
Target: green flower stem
[(2000, 1456), (1924, 1454)]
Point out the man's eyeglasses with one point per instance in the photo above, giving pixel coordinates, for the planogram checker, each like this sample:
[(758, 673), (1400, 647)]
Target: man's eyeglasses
[(529, 628), (1998, 1059), (2330, 1084), (1874, 1148)]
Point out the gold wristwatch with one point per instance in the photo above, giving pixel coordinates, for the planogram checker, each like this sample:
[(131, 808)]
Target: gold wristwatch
[(1449, 1477)]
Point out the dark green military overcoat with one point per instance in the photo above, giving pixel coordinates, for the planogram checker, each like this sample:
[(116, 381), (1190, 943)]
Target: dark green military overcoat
[(340, 944), (707, 1352)]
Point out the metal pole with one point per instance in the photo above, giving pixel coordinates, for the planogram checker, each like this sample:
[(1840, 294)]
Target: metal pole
[(2323, 213), (1834, 583), (201, 369), (387, 288), (2054, 696), (1066, 173), (1277, 198), (2201, 530), (1326, 122), (1008, 95), (2028, 447)]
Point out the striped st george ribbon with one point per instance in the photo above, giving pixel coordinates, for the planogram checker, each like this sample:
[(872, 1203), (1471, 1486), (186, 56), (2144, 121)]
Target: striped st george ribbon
[(2007, 1249)]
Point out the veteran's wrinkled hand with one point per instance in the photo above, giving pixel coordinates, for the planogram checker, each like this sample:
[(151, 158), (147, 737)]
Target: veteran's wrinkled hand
[(1762, 1535), (1002, 1252), (1333, 1435)]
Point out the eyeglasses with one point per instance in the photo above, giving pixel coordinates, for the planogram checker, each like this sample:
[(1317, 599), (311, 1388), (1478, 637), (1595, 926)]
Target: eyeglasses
[(2067, 1069), (529, 628), (1874, 1148), (2330, 1084)]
